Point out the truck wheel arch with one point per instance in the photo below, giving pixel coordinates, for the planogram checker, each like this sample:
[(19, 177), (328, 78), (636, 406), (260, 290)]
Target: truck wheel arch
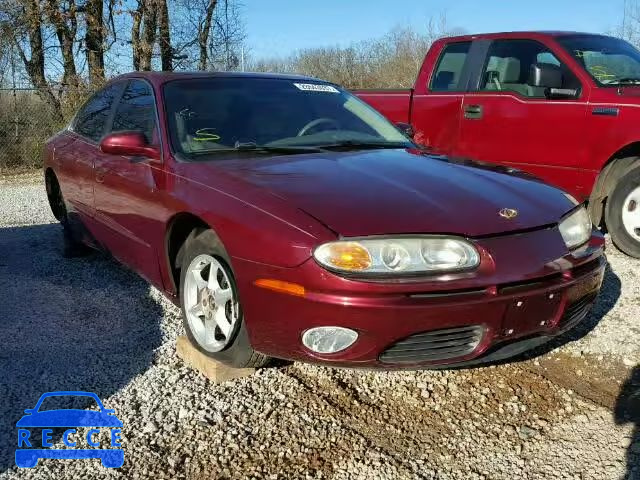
[(616, 167)]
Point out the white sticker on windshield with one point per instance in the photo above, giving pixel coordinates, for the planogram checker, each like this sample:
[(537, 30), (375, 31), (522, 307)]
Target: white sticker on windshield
[(315, 87)]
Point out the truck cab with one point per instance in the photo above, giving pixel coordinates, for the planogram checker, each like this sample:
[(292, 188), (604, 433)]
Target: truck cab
[(562, 106)]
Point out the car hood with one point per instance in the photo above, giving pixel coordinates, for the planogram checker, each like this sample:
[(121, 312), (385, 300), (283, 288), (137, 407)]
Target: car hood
[(69, 418), (403, 191)]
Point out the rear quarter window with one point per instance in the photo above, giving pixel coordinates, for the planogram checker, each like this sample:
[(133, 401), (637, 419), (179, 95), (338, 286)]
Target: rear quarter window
[(448, 72)]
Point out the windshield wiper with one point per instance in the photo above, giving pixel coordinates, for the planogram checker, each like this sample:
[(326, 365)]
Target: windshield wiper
[(621, 81), (253, 147), (356, 145)]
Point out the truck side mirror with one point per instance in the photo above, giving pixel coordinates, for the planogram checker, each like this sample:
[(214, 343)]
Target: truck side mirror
[(549, 77), (545, 75)]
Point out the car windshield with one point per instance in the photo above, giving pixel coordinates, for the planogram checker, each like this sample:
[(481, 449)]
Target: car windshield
[(243, 113), (610, 61), (64, 402)]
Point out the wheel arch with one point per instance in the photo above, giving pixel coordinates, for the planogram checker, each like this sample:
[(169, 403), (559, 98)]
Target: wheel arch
[(614, 168), (179, 228)]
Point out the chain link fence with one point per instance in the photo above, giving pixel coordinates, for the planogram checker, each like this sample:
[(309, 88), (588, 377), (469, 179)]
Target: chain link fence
[(26, 122)]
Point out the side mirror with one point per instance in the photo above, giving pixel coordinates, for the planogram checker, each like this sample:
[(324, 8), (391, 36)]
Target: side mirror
[(29, 411), (549, 77), (129, 144), (545, 75), (109, 411), (406, 128)]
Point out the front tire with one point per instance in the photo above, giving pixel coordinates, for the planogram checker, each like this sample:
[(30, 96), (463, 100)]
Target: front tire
[(622, 213), (211, 308)]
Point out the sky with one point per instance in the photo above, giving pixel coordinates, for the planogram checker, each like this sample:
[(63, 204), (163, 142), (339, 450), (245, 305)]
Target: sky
[(276, 28)]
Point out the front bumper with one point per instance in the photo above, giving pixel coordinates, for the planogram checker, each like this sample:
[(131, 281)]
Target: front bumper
[(527, 303)]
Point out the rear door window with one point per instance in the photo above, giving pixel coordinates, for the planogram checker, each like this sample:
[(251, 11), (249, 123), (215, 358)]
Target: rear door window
[(448, 73), (136, 111), (91, 121)]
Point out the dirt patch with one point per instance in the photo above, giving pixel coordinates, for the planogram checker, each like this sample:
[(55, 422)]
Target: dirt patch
[(435, 415), (20, 177), (598, 379)]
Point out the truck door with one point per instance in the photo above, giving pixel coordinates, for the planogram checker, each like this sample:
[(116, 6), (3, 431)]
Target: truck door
[(505, 120), (437, 99)]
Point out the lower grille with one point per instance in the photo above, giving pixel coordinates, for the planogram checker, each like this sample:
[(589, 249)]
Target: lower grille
[(577, 311), (434, 345)]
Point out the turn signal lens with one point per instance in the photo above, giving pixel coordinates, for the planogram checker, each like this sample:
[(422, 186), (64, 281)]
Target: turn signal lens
[(280, 286), (346, 256)]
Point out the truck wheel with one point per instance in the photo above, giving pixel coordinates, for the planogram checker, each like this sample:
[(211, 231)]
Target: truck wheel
[(211, 309), (622, 213)]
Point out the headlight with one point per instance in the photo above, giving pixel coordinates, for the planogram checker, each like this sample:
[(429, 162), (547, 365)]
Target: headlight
[(381, 256), (576, 228)]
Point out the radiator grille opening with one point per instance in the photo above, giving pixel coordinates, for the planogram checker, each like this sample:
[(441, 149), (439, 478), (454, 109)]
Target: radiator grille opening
[(434, 345)]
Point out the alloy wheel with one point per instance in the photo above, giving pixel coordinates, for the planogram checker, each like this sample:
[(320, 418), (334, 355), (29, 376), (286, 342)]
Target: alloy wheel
[(210, 303)]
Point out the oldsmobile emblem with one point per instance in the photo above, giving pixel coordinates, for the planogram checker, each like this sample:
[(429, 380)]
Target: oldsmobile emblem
[(508, 213)]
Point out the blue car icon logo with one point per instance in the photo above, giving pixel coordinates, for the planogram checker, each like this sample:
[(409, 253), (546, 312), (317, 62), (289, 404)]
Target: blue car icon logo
[(68, 418)]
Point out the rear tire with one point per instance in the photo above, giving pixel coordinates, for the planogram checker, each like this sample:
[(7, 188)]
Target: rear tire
[(204, 308), (622, 213), (72, 246)]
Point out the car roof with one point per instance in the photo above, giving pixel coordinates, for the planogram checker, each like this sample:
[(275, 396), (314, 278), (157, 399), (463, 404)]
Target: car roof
[(529, 34), (159, 78)]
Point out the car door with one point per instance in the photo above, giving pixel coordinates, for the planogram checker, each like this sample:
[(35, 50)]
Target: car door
[(505, 120), (79, 156), (128, 189)]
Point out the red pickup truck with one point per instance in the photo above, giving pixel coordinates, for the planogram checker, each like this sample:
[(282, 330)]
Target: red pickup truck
[(562, 106)]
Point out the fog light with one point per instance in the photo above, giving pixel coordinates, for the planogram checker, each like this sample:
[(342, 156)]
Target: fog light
[(328, 339)]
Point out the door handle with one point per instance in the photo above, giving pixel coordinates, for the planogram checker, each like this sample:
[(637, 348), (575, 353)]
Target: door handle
[(473, 112)]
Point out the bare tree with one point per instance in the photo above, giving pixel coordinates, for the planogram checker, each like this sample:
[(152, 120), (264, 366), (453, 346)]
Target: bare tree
[(392, 61), (136, 47), (143, 33), (94, 39), (164, 36), (150, 26), (204, 30), (62, 15), (209, 34), (22, 22)]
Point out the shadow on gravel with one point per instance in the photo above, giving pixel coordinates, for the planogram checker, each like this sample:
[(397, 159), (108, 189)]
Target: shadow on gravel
[(627, 410), (66, 324), (607, 299)]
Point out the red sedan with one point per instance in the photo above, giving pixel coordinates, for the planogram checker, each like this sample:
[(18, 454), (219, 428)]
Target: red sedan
[(289, 219)]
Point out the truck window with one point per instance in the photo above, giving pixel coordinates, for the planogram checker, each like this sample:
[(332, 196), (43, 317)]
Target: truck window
[(509, 64), (448, 72)]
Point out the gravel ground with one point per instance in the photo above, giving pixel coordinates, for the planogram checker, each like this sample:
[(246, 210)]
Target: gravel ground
[(89, 324)]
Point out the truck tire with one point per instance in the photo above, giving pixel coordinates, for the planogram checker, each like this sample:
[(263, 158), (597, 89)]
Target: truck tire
[(211, 308), (622, 213)]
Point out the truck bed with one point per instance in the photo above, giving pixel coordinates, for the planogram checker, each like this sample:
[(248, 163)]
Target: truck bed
[(395, 104)]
